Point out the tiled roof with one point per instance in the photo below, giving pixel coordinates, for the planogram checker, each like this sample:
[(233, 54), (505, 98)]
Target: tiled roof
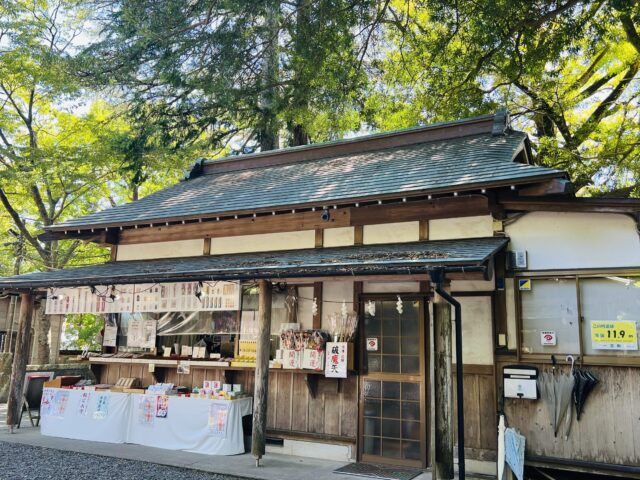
[(405, 258), (436, 166)]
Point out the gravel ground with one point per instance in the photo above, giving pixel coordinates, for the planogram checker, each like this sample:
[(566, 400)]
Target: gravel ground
[(25, 462)]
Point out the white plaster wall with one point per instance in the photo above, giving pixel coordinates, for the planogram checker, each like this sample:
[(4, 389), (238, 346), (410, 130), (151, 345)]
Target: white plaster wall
[(263, 242), (391, 233), (147, 251), (477, 331), (333, 294), (338, 237), (390, 287), (461, 227), (472, 285), (559, 240)]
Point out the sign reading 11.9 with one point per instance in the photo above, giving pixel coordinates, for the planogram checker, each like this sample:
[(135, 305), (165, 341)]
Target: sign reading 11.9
[(614, 335)]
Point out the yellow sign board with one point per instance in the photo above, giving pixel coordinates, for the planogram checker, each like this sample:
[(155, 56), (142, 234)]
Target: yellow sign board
[(614, 335)]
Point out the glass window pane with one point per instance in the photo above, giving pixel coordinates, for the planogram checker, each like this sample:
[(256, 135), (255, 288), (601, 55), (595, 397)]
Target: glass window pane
[(391, 326), (372, 325), (371, 389), (391, 428), (606, 301), (371, 408), (391, 448), (411, 430), (391, 363), (410, 364), (410, 345), (391, 345), (411, 411), (411, 450), (372, 427), (390, 409), (550, 305), (411, 391), (371, 446), (373, 362), (391, 389)]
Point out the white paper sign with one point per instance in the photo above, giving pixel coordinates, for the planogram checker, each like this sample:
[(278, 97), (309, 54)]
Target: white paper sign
[(166, 297), (548, 338), (372, 344), (336, 360), (110, 335)]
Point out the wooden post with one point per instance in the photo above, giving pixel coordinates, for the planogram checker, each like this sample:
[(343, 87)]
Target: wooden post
[(259, 431), (20, 360), (443, 386)]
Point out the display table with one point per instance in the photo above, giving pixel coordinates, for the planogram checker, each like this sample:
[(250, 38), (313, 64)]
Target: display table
[(212, 427), (85, 415), (200, 425)]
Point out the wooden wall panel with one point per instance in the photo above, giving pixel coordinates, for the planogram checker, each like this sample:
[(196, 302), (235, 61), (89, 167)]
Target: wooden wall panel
[(607, 431)]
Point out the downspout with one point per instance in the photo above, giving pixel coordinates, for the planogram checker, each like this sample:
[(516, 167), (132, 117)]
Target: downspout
[(438, 277)]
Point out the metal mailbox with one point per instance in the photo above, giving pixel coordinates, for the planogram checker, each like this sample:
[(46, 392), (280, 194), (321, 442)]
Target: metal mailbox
[(520, 381)]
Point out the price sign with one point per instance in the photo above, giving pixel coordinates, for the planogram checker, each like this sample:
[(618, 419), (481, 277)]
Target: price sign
[(614, 335)]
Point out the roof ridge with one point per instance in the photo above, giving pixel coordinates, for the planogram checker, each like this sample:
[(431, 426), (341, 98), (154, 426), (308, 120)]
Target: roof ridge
[(408, 136)]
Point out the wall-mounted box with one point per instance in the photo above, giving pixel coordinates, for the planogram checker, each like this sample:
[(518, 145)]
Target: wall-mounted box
[(520, 381)]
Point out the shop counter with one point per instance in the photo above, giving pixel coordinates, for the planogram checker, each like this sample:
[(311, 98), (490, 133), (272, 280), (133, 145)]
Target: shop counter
[(98, 416), (199, 425)]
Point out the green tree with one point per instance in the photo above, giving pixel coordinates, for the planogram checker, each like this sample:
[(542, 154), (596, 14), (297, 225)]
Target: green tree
[(80, 331), (567, 70), (242, 70)]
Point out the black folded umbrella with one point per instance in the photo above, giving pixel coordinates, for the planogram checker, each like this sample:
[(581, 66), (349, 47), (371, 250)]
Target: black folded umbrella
[(584, 384)]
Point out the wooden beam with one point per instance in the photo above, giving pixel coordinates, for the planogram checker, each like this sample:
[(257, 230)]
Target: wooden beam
[(358, 235), (422, 210), (260, 395), (20, 360), (319, 238), (556, 186), (443, 388), (206, 249), (423, 233), (317, 294), (596, 205), (114, 253)]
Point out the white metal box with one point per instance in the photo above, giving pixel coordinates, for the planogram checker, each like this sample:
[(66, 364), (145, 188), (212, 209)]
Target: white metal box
[(520, 381)]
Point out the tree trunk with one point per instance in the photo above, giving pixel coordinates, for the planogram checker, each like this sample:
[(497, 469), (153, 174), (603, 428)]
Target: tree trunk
[(20, 359), (259, 433), (43, 325), (299, 134), (443, 386), (267, 103)]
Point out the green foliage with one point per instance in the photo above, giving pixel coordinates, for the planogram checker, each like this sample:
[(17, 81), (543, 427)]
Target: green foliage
[(80, 331)]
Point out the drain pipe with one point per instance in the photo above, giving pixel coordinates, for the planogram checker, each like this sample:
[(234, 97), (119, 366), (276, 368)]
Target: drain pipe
[(438, 277)]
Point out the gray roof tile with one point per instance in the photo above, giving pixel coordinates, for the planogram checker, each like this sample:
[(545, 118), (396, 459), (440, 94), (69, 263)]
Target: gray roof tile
[(461, 163), (414, 257)]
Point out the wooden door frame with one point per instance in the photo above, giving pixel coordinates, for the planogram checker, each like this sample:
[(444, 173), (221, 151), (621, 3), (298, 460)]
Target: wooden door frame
[(424, 376)]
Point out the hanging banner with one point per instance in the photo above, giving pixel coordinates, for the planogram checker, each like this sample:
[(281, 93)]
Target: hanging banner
[(218, 414), (166, 297), (110, 336), (615, 335), (337, 360)]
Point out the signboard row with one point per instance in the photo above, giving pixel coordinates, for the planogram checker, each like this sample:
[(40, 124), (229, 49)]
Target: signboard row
[(166, 297)]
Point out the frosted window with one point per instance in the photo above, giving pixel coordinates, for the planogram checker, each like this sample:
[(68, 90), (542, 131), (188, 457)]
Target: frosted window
[(550, 305), (609, 299)]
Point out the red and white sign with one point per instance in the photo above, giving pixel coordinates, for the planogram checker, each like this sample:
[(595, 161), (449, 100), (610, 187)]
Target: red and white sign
[(336, 363), (372, 344), (548, 338)]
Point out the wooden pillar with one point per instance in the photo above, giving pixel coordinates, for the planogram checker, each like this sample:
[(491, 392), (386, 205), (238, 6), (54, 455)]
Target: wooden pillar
[(443, 386), (259, 432), (20, 360)]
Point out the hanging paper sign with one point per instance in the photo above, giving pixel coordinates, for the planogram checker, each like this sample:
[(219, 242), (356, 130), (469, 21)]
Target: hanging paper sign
[(312, 359), (46, 403), (83, 406), (372, 344), (166, 297), (548, 338), (614, 335), (162, 406), (110, 336), (147, 409), (218, 414), (184, 368), (60, 402), (336, 362), (102, 407), (292, 359)]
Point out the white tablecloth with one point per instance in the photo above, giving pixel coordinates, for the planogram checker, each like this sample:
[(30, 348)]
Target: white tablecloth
[(80, 421), (187, 426), (189, 423)]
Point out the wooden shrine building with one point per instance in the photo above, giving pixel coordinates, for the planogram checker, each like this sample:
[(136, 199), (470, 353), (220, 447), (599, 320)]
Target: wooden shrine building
[(405, 228)]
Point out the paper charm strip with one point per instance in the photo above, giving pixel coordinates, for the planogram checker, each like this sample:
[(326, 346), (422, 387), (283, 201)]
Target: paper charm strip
[(83, 406), (147, 409), (218, 413), (102, 407), (162, 406), (60, 401), (46, 404)]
